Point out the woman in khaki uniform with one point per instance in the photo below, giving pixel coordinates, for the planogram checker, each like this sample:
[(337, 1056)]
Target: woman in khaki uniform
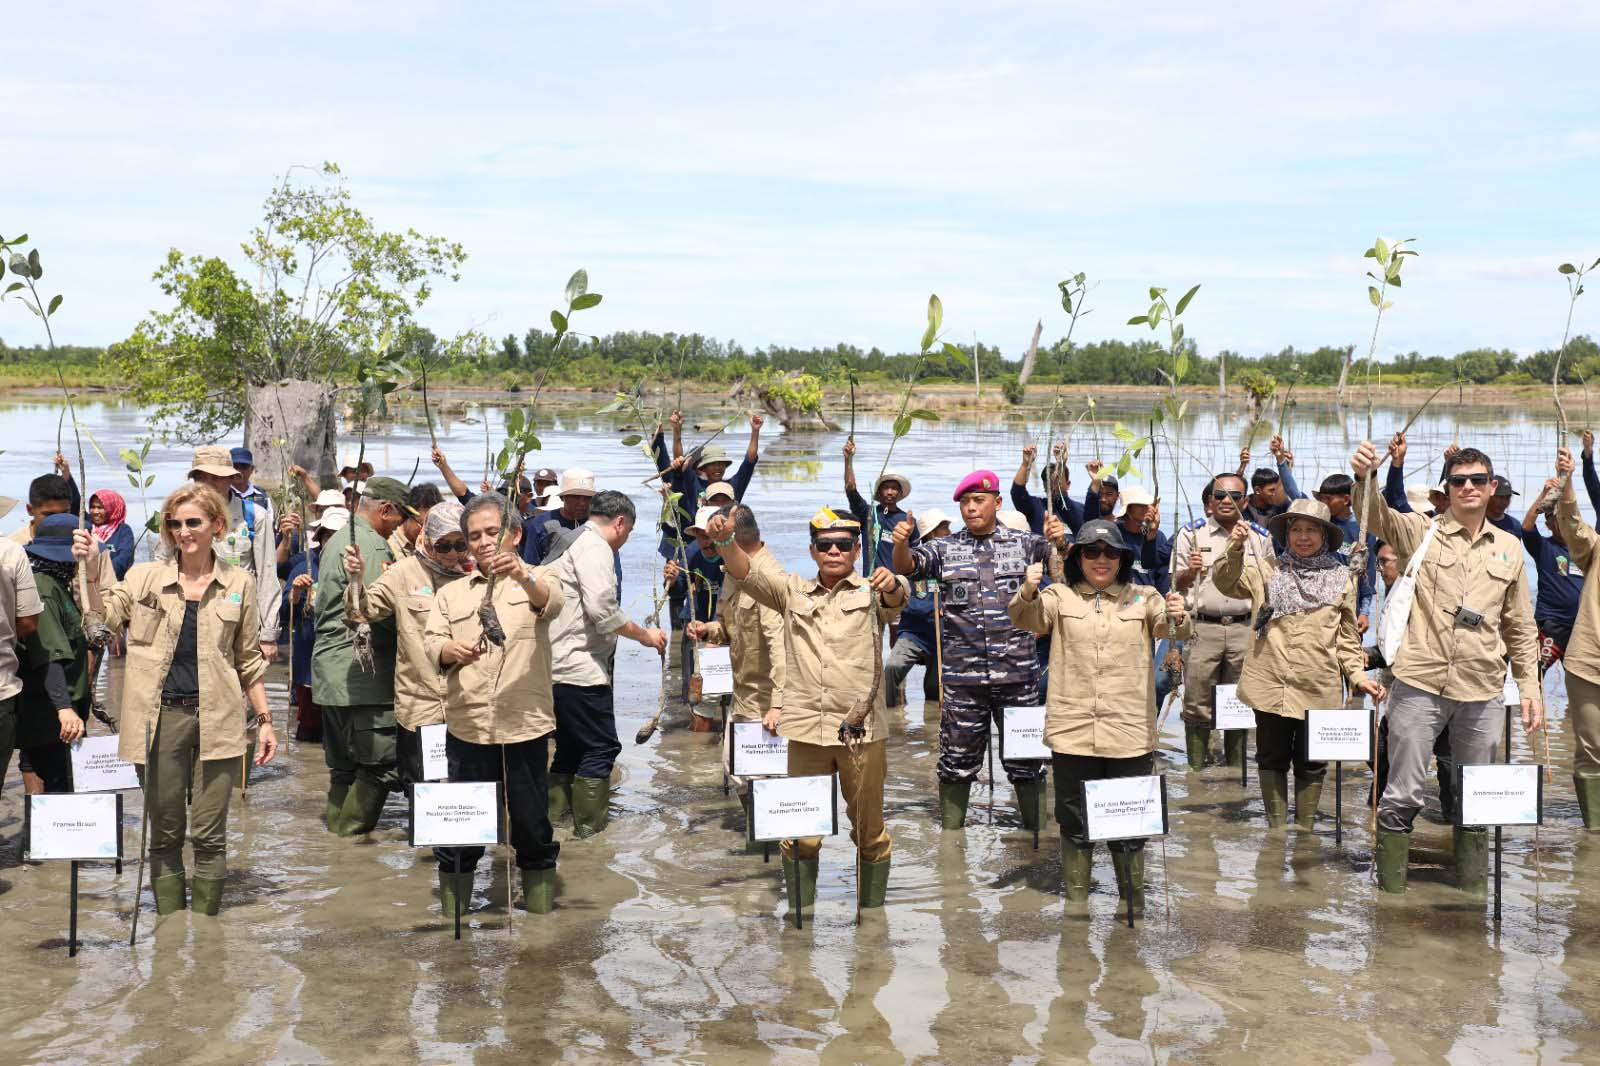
[(1304, 651), (192, 690), (1100, 718)]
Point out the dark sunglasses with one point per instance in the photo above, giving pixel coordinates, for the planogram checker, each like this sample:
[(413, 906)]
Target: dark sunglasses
[(185, 523), (449, 547), (1227, 494), (1097, 551), (1458, 480), (828, 545)]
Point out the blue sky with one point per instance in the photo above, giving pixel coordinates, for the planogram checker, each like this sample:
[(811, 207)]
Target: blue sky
[(779, 175)]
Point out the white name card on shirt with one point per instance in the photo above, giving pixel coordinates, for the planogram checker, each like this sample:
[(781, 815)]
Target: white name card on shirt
[(96, 766), (435, 767), (1123, 808), (1501, 794), (74, 825), (449, 814), (1022, 733), (787, 808), (716, 671), (754, 752), (1338, 734), (1228, 712)]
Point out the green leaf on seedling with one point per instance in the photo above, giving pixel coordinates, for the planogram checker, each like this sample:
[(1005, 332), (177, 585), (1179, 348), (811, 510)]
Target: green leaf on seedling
[(1180, 364), (1139, 320), (577, 285), (1184, 302), (19, 240), (1156, 311), (1122, 432), (613, 407), (586, 301), (952, 352), (935, 312), (1567, 268), (1370, 253), (1372, 294), (1138, 446), (1177, 334), (1387, 304), (559, 321), (631, 439), (1382, 247), (514, 420), (55, 302), (924, 414), (1122, 465), (13, 287), (902, 425), (1156, 294), (1183, 409), (1157, 414), (34, 266), (1394, 278)]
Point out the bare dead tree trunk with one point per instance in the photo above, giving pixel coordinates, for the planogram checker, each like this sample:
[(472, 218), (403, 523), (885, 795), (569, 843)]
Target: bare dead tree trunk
[(1344, 371), (1031, 356), (1222, 380), (294, 419)]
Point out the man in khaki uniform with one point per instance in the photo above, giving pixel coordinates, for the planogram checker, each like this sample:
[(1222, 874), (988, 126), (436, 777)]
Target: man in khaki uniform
[(753, 635), (1471, 611), (833, 663), (1215, 654), (498, 707)]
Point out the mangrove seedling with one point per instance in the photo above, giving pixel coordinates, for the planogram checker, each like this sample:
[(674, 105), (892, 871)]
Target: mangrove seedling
[(1573, 275)]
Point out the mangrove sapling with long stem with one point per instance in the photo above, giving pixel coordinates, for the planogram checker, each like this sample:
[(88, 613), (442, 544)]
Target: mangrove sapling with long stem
[(1072, 292), (375, 379), (1169, 412), (1391, 256), (1573, 275)]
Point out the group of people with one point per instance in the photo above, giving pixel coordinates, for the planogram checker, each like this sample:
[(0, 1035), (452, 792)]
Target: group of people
[(496, 613)]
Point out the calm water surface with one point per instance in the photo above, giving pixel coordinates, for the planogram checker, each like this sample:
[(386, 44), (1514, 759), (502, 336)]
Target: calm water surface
[(670, 946)]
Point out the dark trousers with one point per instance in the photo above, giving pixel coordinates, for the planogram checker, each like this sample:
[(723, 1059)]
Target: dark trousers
[(308, 723), (1442, 758), (964, 729), (1072, 771), (586, 731), (408, 745), (8, 735), (1279, 745), (527, 792), (53, 763)]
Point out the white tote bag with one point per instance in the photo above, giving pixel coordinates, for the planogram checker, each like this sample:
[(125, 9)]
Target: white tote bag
[(1397, 608)]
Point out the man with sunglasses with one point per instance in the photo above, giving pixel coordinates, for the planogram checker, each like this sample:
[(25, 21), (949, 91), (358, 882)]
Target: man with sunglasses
[(1215, 654), (359, 740), (989, 661), (1471, 610), (834, 625)]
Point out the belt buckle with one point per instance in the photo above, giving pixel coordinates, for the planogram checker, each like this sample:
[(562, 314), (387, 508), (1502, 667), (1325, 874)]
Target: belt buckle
[(1224, 619)]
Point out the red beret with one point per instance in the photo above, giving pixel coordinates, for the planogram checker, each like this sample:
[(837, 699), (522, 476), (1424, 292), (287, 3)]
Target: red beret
[(977, 481)]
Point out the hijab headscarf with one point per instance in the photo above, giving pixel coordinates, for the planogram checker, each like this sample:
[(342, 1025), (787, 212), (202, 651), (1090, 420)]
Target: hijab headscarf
[(1299, 585), (116, 512), (443, 520)]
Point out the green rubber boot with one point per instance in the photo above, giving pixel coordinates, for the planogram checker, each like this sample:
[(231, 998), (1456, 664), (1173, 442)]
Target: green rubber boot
[(591, 805), (335, 818), (1472, 861), (205, 895), (953, 797), (1076, 862), (752, 846), (1392, 853), (874, 884), (1588, 789), (539, 891), (1275, 796), (1197, 738), (1234, 742), (1030, 803), (362, 808), (453, 887), (171, 891), (1307, 797), (800, 880), (1129, 866), (560, 797)]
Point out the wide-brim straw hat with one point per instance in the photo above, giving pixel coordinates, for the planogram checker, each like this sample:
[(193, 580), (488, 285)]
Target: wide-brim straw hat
[(930, 520), (1315, 510), (576, 481), (900, 480)]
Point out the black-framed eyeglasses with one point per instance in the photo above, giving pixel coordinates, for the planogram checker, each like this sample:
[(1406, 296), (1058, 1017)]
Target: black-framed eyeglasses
[(185, 523), (1097, 551), (828, 545), (451, 547), (1227, 494), (1458, 480)]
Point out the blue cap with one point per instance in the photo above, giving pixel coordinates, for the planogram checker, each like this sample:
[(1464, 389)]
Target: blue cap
[(52, 537), (242, 457)]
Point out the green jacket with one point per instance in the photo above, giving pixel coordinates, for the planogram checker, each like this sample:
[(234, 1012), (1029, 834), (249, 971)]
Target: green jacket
[(336, 680), (59, 639)]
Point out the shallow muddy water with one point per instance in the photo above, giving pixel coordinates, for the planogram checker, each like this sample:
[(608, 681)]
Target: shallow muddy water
[(669, 945)]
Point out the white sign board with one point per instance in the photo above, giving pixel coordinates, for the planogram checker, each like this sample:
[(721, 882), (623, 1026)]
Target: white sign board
[(716, 671), (1338, 734), (1501, 794), (787, 808), (756, 752), (73, 825), (1121, 808), (455, 814), (435, 767), (1228, 712), (96, 766), (1022, 733), (1510, 695)]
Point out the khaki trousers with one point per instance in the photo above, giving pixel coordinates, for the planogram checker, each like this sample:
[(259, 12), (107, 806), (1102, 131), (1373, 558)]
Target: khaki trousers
[(859, 775), (1583, 711), (174, 772), (1213, 656)]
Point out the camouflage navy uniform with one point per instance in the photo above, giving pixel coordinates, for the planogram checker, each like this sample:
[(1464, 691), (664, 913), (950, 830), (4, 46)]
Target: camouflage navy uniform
[(989, 662)]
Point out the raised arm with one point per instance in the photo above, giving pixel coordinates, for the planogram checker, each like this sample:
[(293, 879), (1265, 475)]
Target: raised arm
[(1403, 531), (457, 487)]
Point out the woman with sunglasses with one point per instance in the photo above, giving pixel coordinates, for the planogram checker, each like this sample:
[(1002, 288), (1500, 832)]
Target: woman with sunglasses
[(406, 591), (192, 691), (1305, 649), (1102, 628)]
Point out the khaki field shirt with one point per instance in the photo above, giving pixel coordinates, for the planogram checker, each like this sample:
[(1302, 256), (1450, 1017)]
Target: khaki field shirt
[(19, 598), (1299, 661), (1105, 702), (754, 636), (149, 601), (503, 697), (406, 592), (585, 637), (828, 658), (1582, 654), (1484, 573), (1212, 541)]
